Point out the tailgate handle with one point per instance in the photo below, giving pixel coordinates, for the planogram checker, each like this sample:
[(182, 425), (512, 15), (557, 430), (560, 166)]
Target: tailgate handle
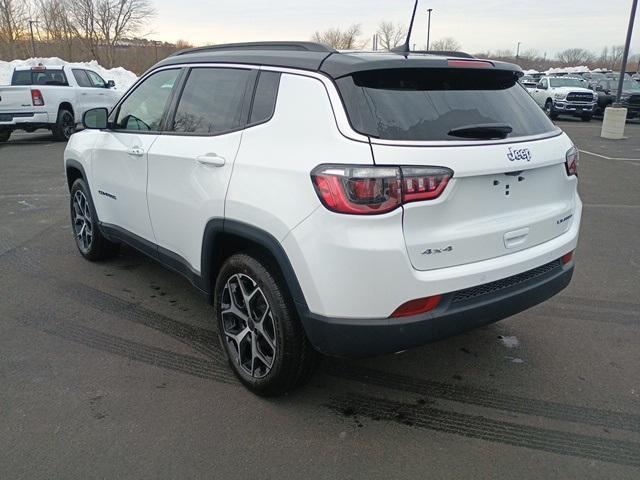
[(516, 238)]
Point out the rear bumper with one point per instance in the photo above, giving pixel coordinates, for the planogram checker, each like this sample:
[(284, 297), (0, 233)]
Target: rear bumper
[(458, 312), (23, 119)]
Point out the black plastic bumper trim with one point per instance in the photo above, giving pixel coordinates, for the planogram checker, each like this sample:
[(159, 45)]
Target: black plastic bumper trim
[(358, 338)]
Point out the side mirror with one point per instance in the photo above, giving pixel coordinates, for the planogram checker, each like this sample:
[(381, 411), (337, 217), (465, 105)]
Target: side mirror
[(542, 86), (111, 84), (95, 119)]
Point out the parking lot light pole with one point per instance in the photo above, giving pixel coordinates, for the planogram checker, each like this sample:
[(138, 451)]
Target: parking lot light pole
[(625, 57), (615, 116), (429, 28), (518, 50)]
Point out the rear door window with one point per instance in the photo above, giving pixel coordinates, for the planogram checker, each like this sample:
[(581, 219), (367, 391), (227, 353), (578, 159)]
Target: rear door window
[(429, 104), (213, 101), (264, 101)]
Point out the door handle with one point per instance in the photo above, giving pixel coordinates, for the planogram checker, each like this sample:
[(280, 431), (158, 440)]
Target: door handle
[(211, 159), (136, 151)]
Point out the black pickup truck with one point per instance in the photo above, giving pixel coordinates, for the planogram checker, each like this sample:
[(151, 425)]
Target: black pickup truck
[(630, 99)]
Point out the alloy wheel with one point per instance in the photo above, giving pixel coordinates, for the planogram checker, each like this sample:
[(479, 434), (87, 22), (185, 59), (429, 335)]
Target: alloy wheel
[(68, 126), (82, 221), (248, 324)]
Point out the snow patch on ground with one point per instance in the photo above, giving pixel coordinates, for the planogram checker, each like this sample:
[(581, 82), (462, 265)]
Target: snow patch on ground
[(510, 342), (123, 77)]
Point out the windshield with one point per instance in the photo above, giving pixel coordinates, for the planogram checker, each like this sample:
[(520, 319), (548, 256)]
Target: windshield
[(567, 82), (430, 104)]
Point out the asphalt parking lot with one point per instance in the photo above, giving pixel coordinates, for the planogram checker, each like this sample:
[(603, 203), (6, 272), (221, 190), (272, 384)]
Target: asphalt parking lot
[(113, 370)]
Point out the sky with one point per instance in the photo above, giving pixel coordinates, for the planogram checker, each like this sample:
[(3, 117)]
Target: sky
[(547, 26)]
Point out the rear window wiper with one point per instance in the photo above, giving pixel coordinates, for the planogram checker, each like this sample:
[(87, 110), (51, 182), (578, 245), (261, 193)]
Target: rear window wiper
[(482, 131)]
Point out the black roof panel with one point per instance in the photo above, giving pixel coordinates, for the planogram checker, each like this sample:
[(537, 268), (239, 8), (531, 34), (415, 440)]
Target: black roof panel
[(315, 57)]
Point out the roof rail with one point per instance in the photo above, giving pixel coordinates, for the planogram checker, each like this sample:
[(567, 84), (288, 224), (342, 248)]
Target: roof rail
[(289, 46)]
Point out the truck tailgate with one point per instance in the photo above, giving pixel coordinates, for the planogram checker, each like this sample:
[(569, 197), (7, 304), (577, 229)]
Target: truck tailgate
[(15, 99)]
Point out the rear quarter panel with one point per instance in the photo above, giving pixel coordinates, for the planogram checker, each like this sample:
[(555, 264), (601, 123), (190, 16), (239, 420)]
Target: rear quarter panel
[(271, 186)]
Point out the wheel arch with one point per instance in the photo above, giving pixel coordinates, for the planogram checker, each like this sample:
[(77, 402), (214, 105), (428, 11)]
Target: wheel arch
[(67, 106), (74, 170), (224, 237)]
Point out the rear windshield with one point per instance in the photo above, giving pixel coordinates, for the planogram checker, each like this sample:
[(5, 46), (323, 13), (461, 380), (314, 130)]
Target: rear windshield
[(39, 77), (427, 104)]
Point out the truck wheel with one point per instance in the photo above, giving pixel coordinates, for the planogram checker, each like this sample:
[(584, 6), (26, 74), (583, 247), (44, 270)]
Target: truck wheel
[(4, 135), (84, 222), (258, 326), (548, 109), (65, 126)]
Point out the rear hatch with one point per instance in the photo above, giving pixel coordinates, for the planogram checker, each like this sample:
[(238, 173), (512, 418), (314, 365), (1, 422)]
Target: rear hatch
[(510, 189)]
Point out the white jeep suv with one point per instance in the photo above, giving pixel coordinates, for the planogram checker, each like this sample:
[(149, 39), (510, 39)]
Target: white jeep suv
[(353, 204)]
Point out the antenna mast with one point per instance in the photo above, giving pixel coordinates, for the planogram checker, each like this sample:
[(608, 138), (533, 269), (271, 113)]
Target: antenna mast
[(407, 45)]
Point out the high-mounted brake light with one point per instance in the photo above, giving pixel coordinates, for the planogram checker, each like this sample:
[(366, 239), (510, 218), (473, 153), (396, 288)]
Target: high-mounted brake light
[(470, 64), (571, 161), (39, 68), (417, 306), (360, 190), (36, 98)]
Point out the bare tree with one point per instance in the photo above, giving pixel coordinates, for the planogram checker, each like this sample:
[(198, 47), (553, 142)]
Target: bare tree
[(340, 39), (391, 35), (82, 15), (182, 44), (615, 56), (13, 20), (575, 56), (116, 19), (56, 25), (447, 44)]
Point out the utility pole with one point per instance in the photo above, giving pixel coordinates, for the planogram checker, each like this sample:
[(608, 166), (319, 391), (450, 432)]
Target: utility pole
[(429, 28), (155, 44), (33, 43), (625, 56), (518, 51)]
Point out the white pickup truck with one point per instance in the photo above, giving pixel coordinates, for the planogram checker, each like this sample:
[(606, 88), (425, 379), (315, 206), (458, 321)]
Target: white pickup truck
[(53, 98), (565, 96)]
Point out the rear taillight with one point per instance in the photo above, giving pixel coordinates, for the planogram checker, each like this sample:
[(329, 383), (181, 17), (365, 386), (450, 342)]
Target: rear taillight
[(571, 161), (36, 98), (417, 306), (361, 190)]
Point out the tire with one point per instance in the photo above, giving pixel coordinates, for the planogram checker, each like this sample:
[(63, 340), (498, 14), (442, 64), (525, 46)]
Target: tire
[(4, 135), (586, 118), (91, 244), (65, 126), (270, 356), (548, 109)]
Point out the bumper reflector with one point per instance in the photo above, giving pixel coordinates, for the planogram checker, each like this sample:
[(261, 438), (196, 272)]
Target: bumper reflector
[(417, 306), (567, 257)]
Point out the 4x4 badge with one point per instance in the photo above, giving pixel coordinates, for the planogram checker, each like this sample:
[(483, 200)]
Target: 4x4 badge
[(433, 251)]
